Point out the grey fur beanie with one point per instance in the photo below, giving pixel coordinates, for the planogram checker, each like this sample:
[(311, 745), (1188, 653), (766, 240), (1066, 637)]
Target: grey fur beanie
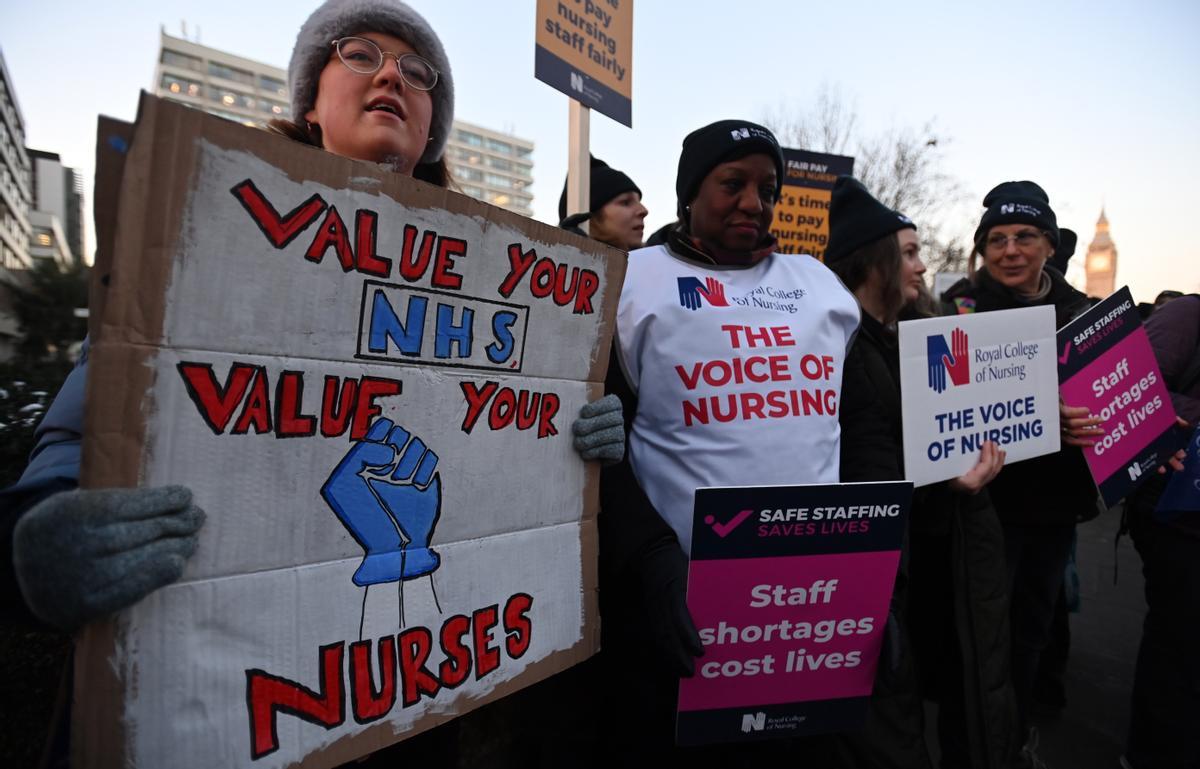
[(339, 18)]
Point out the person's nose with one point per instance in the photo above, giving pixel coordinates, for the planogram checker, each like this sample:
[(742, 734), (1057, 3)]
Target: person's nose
[(1010, 247), (388, 75), (749, 202)]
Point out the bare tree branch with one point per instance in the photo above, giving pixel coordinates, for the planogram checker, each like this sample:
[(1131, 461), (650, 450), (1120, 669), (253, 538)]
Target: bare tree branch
[(904, 167)]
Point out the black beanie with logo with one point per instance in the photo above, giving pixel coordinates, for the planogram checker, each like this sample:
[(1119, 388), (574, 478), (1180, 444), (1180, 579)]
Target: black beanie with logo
[(606, 184), (1017, 203), (720, 142), (856, 218)]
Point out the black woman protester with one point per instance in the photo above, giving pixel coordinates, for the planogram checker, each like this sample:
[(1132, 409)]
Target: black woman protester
[(716, 292)]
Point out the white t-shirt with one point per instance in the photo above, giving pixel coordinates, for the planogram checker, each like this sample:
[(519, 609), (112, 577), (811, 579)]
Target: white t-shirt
[(738, 373)]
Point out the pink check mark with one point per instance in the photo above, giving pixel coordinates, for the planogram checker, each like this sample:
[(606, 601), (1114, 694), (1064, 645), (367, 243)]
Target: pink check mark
[(723, 529), (1062, 359)]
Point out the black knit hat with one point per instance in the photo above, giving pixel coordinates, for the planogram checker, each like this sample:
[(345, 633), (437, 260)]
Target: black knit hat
[(720, 142), (856, 218), (606, 184), (1067, 240), (1017, 203)]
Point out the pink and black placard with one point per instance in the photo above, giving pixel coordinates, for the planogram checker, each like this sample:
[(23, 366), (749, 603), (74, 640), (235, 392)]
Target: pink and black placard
[(789, 587), (1105, 363)]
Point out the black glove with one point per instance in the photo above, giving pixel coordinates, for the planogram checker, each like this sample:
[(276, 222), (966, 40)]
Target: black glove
[(80, 555), (663, 572)]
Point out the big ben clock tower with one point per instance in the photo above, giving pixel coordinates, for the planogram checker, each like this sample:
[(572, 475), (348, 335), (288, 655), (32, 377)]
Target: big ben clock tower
[(1101, 261)]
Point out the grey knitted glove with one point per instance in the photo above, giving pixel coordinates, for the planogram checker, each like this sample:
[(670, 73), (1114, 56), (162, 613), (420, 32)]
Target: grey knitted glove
[(80, 555), (600, 430)]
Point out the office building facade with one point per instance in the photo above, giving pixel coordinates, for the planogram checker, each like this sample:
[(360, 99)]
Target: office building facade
[(15, 199), (57, 193), (15, 192), (232, 87), (491, 166)]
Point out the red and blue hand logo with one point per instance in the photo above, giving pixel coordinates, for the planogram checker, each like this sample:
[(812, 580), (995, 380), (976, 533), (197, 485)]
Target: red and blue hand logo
[(953, 360), (691, 292)]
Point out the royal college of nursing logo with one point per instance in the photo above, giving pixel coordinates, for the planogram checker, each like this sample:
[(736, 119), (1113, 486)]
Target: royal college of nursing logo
[(693, 293), (950, 361)]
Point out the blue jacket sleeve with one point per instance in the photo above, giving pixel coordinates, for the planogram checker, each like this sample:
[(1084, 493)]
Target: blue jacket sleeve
[(53, 467)]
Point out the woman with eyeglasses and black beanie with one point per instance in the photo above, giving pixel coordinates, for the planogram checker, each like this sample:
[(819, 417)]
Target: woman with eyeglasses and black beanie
[(1038, 500), (950, 602), (716, 289)]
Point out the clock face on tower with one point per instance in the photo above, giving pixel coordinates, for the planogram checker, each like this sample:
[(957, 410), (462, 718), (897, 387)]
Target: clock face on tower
[(1099, 262)]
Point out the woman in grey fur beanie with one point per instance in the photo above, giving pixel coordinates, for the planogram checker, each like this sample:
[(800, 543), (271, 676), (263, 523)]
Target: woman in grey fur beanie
[(370, 80)]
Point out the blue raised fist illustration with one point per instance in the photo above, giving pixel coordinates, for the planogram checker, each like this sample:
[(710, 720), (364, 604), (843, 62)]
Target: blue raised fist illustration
[(388, 495)]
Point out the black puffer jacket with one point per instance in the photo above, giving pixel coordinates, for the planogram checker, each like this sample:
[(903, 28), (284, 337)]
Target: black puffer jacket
[(953, 579), (1054, 489)]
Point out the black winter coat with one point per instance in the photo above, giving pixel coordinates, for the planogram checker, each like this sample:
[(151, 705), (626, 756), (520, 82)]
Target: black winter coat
[(953, 579), (1054, 489)]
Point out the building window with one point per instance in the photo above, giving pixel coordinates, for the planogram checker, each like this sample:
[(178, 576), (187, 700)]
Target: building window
[(176, 59), (232, 98), (181, 86), (273, 85), (470, 139), (229, 73), (503, 148), (274, 108)]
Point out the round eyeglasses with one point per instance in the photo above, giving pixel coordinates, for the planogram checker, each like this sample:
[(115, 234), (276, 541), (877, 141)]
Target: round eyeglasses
[(364, 57)]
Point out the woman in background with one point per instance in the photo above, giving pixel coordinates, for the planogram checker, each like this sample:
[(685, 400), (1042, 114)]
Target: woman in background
[(616, 215), (950, 600)]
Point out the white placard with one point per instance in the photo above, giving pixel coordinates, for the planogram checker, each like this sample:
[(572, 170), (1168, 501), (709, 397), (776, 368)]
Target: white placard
[(967, 379), (368, 384)]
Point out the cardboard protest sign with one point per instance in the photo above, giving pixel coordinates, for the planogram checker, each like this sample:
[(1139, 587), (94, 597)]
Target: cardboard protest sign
[(584, 48), (789, 587), (368, 383), (1182, 494), (802, 213), (968, 379), (1106, 364)]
